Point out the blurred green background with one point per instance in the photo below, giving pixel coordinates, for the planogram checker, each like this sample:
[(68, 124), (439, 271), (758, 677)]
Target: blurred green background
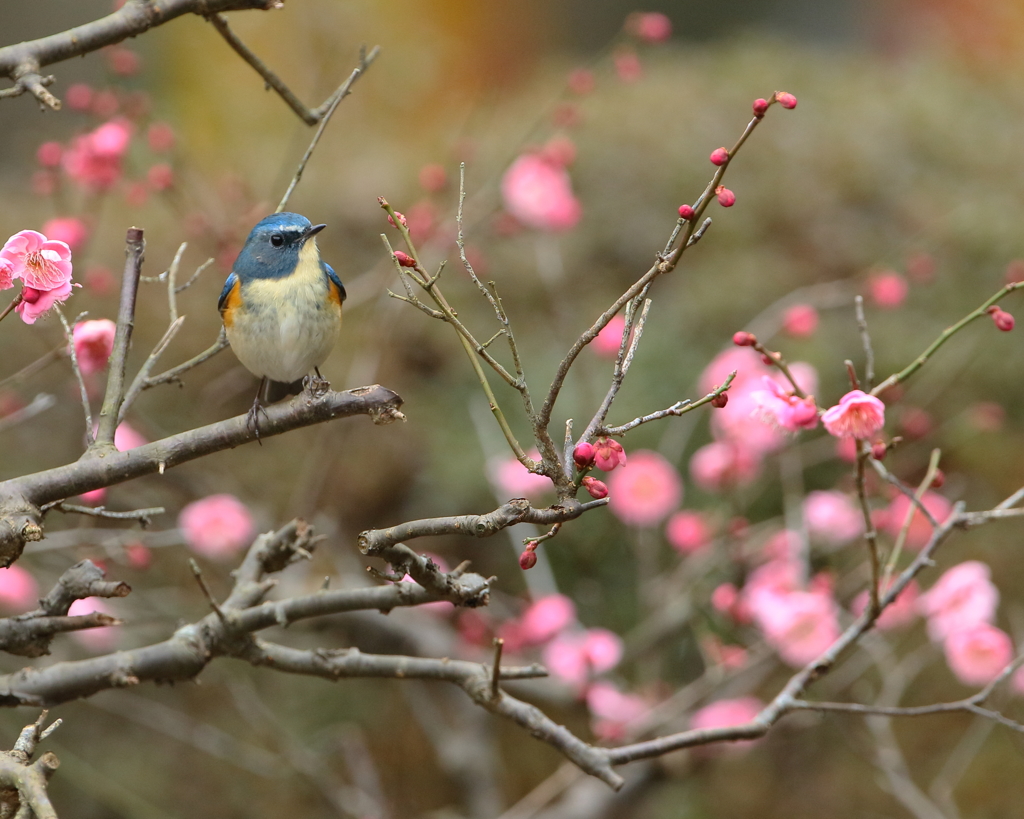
[(907, 140)]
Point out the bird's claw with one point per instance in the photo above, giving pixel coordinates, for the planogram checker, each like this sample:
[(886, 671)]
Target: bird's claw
[(316, 385), (252, 419)]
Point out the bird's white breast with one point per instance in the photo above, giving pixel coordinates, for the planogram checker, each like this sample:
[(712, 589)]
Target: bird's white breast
[(286, 327)]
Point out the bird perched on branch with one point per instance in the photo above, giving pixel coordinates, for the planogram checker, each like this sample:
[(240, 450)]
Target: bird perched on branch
[(281, 305)]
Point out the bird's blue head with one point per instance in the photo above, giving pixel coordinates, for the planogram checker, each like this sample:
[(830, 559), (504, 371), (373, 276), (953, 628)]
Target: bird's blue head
[(272, 249)]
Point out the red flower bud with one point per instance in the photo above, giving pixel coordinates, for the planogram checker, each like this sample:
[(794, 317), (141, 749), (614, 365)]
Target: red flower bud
[(768, 360), (30, 295), (596, 488), (401, 219), (744, 339), (608, 454), (404, 259), (785, 99), (726, 198), (685, 212), (760, 106), (879, 450), (1003, 320), (528, 559), (719, 156), (939, 479), (583, 455), (720, 400)]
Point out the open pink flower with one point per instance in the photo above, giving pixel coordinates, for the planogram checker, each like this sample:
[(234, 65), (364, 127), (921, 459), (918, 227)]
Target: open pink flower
[(800, 321), (546, 617), (724, 464), (978, 653), (646, 491), (688, 532), (920, 530), (35, 303), (613, 710), (781, 408), (832, 516), (888, 288), (18, 589), (41, 263), (725, 714), (217, 526), (857, 415), (962, 598), (574, 657), (799, 625), (94, 342), (901, 612), (608, 454), (538, 192), (94, 159)]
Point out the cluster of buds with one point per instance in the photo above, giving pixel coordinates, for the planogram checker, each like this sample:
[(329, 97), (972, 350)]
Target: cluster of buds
[(1003, 320), (528, 559)]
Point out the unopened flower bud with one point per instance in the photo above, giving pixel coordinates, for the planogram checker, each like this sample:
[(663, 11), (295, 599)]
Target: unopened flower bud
[(879, 450), (528, 559), (720, 400), (685, 212), (939, 479), (30, 295), (1003, 320), (726, 198), (719, 156), (583, 454), (760, 106), (401, 219), (767, 359), (785, 99), (744, 339), (596, 488), (404, 259)]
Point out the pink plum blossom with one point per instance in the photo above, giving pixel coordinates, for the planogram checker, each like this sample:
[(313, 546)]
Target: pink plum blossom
[(727, 655), (725, 714), (646, 491), (688, 532), (799, 625), (962, 598), (546, 617), (574, 657), (857, 415), (888, 288), (42, 264), (35, 303), (94, 497), (606, 343), (898, 614), (613, 710), (94, 342), (920, 530), (510, 478), (18, 589), (127, 437), (95, 639), (160, 136), (832, 516), (217, 526), (68, 229), (800, 321), (538, 192), (608, 454), (978, 653), (94, 159), (649, 26), (781, 408), (723, 464), (628, 67)]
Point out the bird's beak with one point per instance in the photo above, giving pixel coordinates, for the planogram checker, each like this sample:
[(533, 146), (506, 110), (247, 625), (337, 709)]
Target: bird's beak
[(312, 231)]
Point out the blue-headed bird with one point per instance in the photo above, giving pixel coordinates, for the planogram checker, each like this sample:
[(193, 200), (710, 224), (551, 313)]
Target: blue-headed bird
[(281, 304)]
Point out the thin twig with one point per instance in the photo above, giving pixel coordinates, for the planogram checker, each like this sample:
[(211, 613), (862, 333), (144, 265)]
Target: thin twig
[(70, 336), (865, 338)]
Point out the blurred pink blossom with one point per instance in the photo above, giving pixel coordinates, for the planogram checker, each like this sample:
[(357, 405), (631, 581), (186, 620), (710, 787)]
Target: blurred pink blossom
[(78, 96), (627, 65), (727, 655), (800, 321), (545, 618), (160, 137), (574, 657), (832, 516), (857, 415), (724, 714), (688, 532), (42, 264), (511, 479), (95, 639), (649, 26), (920, 530), (94, 497), (888, 288), (645, 491), (217, 526), (846, 449), (613, 710), (538, 192), (49, 153), (18, 589), (94, 159), (68, 229), (581, 81), (34, 303), (962, 598), (779, 407), (724, 465), (94, 341), (726, 598), (978, 653), (160, 177), (127, 437), (799, 625), (606, 343), (901, 612)]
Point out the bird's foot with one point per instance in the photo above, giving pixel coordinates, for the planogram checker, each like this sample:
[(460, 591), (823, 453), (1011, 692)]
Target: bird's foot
[(252, 419), (316, 385)]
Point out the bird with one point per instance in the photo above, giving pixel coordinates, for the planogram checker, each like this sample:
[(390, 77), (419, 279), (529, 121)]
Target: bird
[(281, 306)]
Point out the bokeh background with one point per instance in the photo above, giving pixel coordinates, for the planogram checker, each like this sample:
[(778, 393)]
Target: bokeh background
[(903, 154)]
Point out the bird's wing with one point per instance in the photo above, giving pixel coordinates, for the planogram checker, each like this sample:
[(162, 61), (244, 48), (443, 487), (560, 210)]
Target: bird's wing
[(228, 285), (334, 278)]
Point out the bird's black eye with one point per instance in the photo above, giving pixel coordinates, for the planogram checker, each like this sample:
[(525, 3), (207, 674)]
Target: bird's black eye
[(276, 239)]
